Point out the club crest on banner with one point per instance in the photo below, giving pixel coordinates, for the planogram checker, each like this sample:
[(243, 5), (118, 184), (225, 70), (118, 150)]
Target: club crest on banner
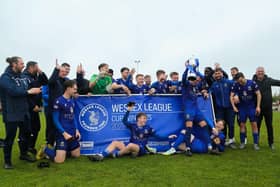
[(93, 117)]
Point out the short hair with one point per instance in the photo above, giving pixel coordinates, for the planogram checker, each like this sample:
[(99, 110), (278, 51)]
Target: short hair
[(140, 114), (65, 64), (69, 84), (139, 75), (208, 69), (218, 120), (159, 72), (124, 69), (239, 75), (13, 59), (234, 68), (173, 73), (260, 67), (147, 76), (111, 71), (31, 64), (102, 65), (219, 69)]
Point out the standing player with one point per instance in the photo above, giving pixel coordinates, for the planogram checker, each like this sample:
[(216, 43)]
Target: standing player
[(139, 87), (221, 89), (161, 85), (121, 85), (192, 113), (67, 135), (148, 80), (175, 86), (248, 93), (101, 83)]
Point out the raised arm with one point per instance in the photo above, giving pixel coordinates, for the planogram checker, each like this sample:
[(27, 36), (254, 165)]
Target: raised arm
[(185, 82), (42, 78), (55, 75), (125, 118), (274, 82)]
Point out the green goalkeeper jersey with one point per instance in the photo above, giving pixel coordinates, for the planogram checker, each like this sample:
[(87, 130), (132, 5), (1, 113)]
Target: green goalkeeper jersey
[(101, 84)]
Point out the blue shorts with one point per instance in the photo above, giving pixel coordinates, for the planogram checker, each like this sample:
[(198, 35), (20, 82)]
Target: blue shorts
[(194, 115), (245, 113), (142, 149), (64, 145), (198, 146)]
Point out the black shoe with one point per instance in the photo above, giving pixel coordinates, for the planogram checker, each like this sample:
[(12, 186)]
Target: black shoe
[(2, 144), (188, 153), (215, 152), (8, 166), (27, 158), (32, 151), (96, 158)]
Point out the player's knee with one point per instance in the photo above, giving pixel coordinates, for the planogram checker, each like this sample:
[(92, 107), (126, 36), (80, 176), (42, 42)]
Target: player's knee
[(130, 146), (76, 154), (59, 160), (115, 143)]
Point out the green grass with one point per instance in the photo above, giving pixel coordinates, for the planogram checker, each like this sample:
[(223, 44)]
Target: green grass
[(233, 168)]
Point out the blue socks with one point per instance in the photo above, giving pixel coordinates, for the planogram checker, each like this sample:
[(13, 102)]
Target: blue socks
[(105, 153), (50, 152), (188, 137), (256, 138), (242, 137), (179, 140), (206, 135)]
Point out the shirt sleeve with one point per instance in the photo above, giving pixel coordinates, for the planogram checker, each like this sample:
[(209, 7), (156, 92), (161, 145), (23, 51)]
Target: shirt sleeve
[(125, 120), (57, 122), (255, 86)]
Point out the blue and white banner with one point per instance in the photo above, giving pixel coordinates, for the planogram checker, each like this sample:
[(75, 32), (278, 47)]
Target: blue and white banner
[(100, 118)]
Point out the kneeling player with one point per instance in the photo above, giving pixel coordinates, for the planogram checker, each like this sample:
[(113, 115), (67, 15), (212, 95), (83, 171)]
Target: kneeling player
[(137, 146), (67, 132), (198, 144)]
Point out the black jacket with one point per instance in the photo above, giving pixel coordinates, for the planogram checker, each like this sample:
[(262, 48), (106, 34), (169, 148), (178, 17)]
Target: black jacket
[(83, 84), (35, 81), (56, 88), (265, 89), (13, 90)]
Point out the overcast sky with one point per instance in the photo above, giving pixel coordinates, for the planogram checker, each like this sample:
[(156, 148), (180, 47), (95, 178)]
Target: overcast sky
[(162, 34)]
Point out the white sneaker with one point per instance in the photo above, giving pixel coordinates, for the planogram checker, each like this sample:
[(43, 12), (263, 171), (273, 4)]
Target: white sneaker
[(171, 151), (210, 147), (256, 147), (242, 146), (151, 150), (230, 141), (245, 142)]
